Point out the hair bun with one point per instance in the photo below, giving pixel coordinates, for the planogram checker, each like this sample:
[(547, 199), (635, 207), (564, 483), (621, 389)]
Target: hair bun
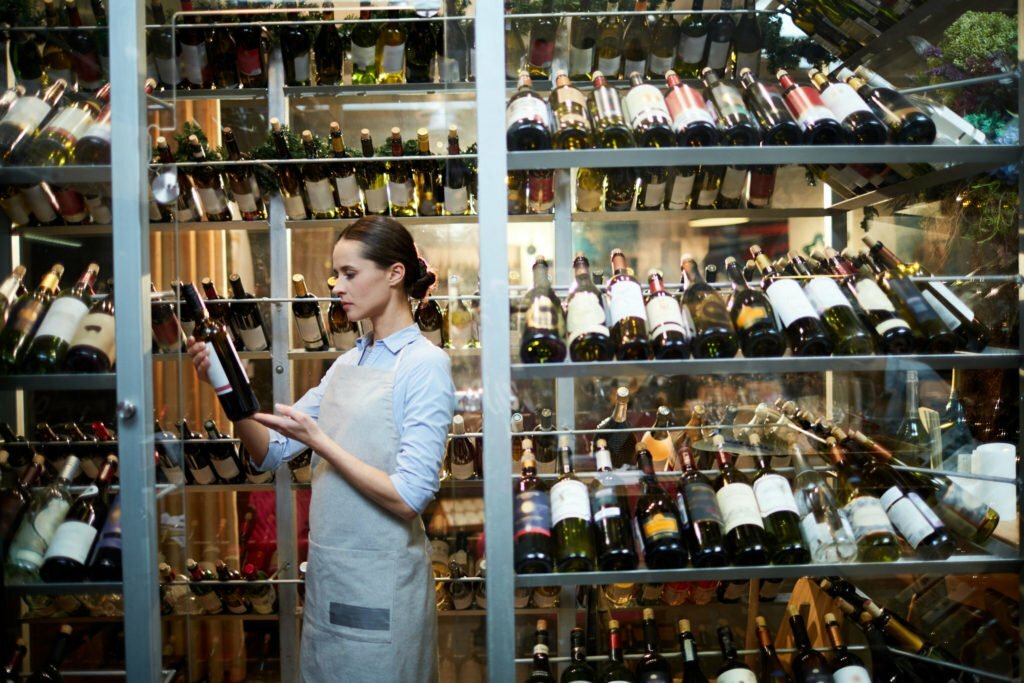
[(424, 281)]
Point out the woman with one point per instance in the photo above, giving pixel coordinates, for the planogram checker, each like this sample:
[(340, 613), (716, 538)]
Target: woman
[(377, 424)]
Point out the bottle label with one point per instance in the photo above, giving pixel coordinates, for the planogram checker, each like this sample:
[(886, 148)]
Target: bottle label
[(859, 30), (729, 102), (762, 186), (851, 674), (951, 300), (401, 192), (631, 67), (294, 207), (460, 333), (961, 510), (645, 102), (16, 209), (789, 301), (718, 53), (27, 113), (682, 190), (867, 516), (218, 377), (182, 211), (843, 100), (527, 109), (376, 199), (41, 203), (751, 316), (707, 196), (701, 503), (569, 499), (609, 66), (532, 513), (110, 536), (774, 494), (301, 65), (246, 202), (253, 339), (691, 48), (686, 107), (70, 204), (824, 294), (589, 199), (570, 108), (818, 534), (737, 675), (659, 526), (543, 314), (606, 505), (204, 475), (348, 189), (738, 505), (872, 298), (363, 57), (653, 194), (665, 316), (35, 533), (906, 516), (70, 123), (580, 60), (99, 209), (734, 182), (585, 315), (97, 331), (659, 65), (456, 200), (250, 62), (194, 58), (73, 540), (214, 200), (321, 199), (262, 601), (393, 59), (226, 468), (627, 301), (63, 318), (310, 330), (346, 340)]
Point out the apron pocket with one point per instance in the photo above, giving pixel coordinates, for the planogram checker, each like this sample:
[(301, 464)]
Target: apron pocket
[(355, 592)]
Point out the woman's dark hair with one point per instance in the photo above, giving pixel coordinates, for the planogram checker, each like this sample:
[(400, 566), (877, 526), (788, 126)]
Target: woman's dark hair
[(386, 242)]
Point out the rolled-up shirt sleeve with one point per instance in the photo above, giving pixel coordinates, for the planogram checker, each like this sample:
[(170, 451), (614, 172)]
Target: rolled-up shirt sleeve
[(428, 405), (282, 449)]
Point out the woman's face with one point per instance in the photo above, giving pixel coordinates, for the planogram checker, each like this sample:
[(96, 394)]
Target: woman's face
[(363, 287)]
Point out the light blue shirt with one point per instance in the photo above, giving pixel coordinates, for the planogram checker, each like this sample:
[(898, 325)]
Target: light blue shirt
[(423, 405)]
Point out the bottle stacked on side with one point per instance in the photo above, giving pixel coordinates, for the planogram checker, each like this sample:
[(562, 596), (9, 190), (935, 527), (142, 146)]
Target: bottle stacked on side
[(216, 588), (55, 50), (460, 573), (831, 303), (873, 510)]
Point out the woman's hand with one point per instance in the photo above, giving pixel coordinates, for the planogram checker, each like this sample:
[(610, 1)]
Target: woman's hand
[(200, 354), (293, 424)]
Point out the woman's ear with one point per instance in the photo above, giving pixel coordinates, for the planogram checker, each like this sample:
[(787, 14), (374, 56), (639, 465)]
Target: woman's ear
[(396, 275)]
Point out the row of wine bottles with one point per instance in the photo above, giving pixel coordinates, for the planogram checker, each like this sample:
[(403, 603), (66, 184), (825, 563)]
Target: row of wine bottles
[(579, 527), (91, 444), (831, 303), (827, 113), (48, 330), (216, 589), (80, 57)]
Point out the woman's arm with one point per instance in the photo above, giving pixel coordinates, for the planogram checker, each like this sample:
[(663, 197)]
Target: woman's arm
[(255, 437)]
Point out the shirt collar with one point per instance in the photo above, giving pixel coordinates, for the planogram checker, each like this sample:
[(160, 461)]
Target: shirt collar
[(394, 342)]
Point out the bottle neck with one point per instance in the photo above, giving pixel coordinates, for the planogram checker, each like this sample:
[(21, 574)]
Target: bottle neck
[(690, 273), (299, 287), (621, 410), (657, 284), (686, 459), (615, 646), (732, 269), (646, 465), (799, 628), (650, 636), (540, 275), (912, 400), (618, 263), (835, 636), (726, 644)]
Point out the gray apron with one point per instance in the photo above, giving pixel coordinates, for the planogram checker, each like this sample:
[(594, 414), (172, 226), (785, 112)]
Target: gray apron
[(370, 612)]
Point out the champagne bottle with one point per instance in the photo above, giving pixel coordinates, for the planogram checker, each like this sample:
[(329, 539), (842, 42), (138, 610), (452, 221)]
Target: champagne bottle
[(541, 668), (779, 512), (825, 527), (849, 335), (611, 129), (344, 332), (40, 522), (664, 37), (615, 669), (24, 319), (692, 122), (721, 31), (571, 520), (67, 554), (50, 672), (515, 49), (456, 177), (907, 124), (808, 664), (372, 179), (459, 451), (244, 188), (542, 41), (747, 42), (714, 334), (226, 373), (735, 123), (24, 117), (670, 334), (58, 327), (328, 51), (847, 667), (94, 348), (532, 543), (288, 174), (573, 129), (745, 539), (772, 670), (657, 520), (820, 126), (753, 317), (583, 34), (426, 181), (609, 43), (853, 112), (527, 118), (246, 318), (309, 319), (621, 444), (317, 180), (364, 47), (390, 51), (652, 667), (610, 509), (627, 313), (588, 335), (769, 108), (688, 647), (578, 669), (733, 670), (693, 37), (14, 501), (913, 442), (194, 58), (544, 325), (804, 330), (912, 306)]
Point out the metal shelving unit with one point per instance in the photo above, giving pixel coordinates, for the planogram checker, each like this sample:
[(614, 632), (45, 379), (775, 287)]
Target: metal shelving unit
[(78, 382)]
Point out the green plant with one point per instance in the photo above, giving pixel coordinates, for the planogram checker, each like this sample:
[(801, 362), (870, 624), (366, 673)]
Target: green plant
[(180, 146), (979, 36)]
